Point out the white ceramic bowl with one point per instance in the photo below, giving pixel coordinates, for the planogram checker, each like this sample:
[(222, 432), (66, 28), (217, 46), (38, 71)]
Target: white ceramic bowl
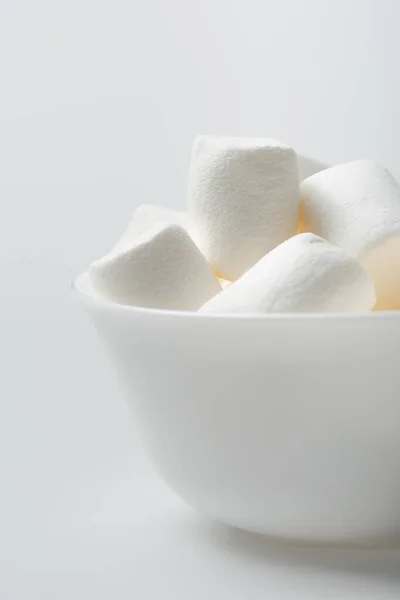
[(287, 425)]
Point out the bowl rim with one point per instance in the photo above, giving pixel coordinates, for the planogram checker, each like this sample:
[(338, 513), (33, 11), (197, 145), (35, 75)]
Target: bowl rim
[(92, 300)]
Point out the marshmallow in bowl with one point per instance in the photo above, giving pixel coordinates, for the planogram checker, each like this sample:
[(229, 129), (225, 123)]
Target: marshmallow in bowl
[(243, 200), (162, 268), (357, 207), (304, 274), (307, 167), (224, 283), (143, 218)]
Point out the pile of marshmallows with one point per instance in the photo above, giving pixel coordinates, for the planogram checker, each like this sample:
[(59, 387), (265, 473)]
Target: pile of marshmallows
[(266, 231)]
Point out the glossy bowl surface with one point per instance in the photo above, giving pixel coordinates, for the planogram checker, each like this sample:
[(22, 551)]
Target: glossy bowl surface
[(282, 424)]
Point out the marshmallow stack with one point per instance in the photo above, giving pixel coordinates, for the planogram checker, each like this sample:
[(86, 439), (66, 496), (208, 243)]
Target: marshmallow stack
[(243, 200), (357, 207), (267, 230), (161, 268), (304, 274)]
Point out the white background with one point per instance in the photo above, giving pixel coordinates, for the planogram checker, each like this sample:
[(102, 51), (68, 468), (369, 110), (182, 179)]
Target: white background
[(99, 103)]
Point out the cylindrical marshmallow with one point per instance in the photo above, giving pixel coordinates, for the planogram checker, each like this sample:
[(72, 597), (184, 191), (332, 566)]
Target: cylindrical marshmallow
[(243, 200), (307, 167), (144, 217), (357, 207), (162, 268), (304, 274)]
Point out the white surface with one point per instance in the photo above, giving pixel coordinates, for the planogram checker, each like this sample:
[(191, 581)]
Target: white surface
[(93, 95)]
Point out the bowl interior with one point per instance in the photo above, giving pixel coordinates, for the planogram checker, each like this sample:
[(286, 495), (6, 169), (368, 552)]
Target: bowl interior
[(82, 287)]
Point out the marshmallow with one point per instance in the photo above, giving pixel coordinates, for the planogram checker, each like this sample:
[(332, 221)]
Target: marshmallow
[(304, 274), (357, 207), (144, 217), (243, 200), (224, 283), (307, 167), (162, 268)]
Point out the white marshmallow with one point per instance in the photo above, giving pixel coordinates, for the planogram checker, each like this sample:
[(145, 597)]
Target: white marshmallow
[(144, 217), (162, 268), (243, 200), (357, 207), (224, 283), (307, 167), (304, 274)]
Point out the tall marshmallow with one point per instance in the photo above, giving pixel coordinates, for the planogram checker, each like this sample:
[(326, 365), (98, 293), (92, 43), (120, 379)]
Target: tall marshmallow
[(144, 217), (162, 268), (357, 207), (304, 274), (243, 200)]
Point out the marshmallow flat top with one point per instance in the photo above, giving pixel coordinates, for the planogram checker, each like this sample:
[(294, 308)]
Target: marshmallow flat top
[(143, 218), (304, 274), (243, 199), (162, 268), (357, 207)]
